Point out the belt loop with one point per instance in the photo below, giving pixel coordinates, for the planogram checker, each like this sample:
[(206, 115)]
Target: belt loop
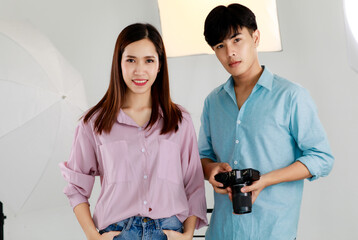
[(129, 223), (157, 224)]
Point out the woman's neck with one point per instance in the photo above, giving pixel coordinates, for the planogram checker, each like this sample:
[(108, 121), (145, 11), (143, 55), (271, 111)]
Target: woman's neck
[(138, 107), (137, 101)]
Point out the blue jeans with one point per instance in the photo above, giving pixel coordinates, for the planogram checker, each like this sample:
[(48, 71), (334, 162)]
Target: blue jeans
[(144, 228)]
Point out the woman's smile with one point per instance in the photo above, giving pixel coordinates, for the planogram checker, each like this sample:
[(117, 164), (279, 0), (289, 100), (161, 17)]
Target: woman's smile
[(139, 82)]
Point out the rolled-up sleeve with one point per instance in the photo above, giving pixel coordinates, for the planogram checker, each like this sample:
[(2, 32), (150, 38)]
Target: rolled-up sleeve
[(81, 168), (193, 174), (310, 136)]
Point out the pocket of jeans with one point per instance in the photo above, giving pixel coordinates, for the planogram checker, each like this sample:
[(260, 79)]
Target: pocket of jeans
[(119, 226), (115, 237), (115, 161), (171, 223), (112, 227), (169, 161)]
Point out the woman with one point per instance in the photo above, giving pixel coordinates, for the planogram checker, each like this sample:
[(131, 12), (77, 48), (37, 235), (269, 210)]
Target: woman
[(143, 147)]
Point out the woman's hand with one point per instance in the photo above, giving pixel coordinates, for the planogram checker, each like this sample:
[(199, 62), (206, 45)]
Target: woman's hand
[(173, 235), (109, 235)]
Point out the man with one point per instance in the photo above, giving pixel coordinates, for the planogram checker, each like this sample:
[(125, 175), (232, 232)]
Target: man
[(257, 120)]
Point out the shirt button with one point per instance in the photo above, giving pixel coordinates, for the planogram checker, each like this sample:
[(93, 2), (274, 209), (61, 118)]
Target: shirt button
[(145, 202), (238, 121), (235, 162), (145, 176), (143, 150), (237, 141)]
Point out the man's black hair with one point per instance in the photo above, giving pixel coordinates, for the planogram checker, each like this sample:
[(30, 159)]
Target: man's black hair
[(224, 21)]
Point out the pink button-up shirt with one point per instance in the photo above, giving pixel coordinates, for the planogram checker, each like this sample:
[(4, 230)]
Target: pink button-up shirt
[(142, 172)]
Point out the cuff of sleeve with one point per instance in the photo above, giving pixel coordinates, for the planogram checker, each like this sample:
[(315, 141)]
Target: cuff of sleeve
[(311, 166), (317, 165), (198, 209), (206, 156), (77, 199), (82, 182)]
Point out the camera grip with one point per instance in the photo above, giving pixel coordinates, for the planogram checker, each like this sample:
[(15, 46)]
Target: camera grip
[(223, 178)]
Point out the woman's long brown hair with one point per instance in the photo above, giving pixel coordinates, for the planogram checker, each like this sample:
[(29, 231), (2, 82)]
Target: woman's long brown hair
[(107, 109)]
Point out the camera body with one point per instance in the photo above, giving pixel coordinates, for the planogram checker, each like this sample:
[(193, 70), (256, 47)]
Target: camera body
[(237, 179)]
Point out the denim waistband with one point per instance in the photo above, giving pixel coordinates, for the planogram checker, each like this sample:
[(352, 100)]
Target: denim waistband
[(137, 222), (142, 221)]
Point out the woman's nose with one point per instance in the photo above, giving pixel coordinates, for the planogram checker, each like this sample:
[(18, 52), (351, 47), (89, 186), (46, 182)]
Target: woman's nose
[(139, 69)]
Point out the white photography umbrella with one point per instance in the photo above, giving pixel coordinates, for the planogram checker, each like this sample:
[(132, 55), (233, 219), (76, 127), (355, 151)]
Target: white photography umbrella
[(41, 100)]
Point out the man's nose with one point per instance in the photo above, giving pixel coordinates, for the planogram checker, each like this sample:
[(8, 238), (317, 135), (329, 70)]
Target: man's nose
[(230, 51)]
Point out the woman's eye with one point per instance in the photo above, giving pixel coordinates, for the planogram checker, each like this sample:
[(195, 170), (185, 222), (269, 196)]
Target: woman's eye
[(130, 60), (150, 61)]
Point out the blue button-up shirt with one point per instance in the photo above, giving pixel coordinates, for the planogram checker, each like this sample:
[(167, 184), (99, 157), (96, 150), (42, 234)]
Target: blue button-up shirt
[(276, 126)]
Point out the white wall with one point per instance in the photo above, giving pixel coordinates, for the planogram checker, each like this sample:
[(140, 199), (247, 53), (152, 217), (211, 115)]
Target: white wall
[(314, 55)]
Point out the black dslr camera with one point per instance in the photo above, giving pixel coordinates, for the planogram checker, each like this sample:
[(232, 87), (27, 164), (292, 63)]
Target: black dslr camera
[(237, 179)]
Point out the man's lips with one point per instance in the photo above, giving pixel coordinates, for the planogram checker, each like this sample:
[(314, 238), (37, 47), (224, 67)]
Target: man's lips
[(234, 63), (139, 82)]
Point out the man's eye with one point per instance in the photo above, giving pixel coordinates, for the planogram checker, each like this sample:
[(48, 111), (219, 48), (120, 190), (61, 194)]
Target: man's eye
[(237, 40), (219, 46)]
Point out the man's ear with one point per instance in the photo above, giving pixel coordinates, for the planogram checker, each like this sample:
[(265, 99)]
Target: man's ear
[(256, 37)]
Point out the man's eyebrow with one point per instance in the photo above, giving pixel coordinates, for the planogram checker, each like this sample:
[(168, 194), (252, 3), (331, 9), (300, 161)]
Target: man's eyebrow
[(235, 35)]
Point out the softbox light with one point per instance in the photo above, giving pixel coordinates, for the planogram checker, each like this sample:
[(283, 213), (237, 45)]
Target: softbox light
[(182, 23)]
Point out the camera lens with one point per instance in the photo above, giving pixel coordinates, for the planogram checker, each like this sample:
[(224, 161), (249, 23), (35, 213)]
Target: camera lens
[(242, 202)]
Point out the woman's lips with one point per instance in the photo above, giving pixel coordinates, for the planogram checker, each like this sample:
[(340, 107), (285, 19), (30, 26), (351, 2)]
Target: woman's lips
[(139, 82)]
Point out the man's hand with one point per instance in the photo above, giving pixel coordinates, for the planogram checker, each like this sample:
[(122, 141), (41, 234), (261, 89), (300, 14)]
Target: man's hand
[(211, 169), (255, 188)]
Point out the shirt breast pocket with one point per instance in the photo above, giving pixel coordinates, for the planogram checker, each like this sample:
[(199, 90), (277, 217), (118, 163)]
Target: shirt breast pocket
[(115, 161), (169, 161)]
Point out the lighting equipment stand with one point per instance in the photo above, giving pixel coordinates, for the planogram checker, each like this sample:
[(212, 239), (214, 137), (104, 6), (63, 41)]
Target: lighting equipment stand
[(2, 218)]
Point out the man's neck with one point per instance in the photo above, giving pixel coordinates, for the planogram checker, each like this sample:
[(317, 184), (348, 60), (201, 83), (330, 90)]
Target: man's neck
[(248, 79), (244, 84)]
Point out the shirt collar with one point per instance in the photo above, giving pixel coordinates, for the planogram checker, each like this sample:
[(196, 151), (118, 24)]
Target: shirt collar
[(229, 88), (125, 119), (265, 81)]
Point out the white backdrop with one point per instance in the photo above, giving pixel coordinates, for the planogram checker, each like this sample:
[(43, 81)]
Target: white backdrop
[(314, 55)]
